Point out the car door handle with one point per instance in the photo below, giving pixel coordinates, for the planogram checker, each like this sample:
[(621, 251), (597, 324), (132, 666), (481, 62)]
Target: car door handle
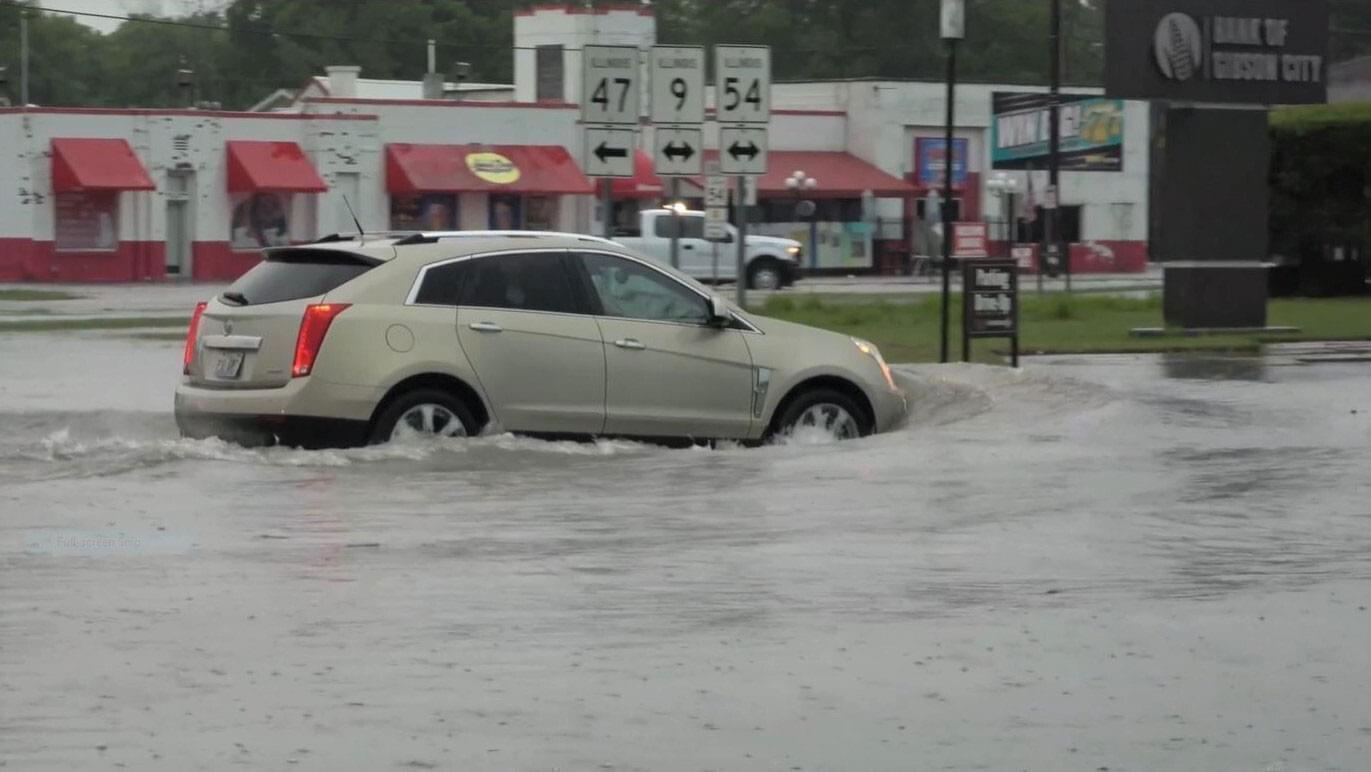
[(486, 327), (687, 246), (629, 343)]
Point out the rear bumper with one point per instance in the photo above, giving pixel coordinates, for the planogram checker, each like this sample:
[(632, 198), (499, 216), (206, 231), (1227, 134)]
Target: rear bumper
[(306, 412)]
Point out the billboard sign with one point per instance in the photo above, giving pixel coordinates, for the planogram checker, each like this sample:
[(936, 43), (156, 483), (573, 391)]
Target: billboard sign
[(1260, 52), (1091, 132), (930, 155)]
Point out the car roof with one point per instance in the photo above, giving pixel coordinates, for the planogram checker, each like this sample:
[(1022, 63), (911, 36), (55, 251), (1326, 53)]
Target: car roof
[(424, 246)]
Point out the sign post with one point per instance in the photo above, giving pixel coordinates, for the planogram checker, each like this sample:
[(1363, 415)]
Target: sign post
[(677, 82), (952, 29), (990, 304), (742, 89), (609, 111)]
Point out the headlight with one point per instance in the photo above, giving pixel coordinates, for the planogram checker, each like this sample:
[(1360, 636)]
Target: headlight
[(792, 251), (869, 348)]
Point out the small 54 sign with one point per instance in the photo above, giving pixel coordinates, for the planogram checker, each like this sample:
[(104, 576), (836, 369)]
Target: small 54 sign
[(742, 84), (609, 85)]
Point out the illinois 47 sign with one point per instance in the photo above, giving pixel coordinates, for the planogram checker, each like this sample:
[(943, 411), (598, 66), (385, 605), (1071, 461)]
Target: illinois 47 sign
[(609, 84), (742, 84)]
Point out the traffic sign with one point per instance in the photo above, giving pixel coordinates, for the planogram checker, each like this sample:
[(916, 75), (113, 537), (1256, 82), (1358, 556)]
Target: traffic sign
[(678, 151), (716, 192), (609, 85), (742, 150), (742, 84), (609, 152), (678, 84), (716, 223)]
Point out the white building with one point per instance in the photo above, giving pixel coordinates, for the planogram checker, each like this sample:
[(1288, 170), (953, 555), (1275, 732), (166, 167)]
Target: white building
[(122, 195)]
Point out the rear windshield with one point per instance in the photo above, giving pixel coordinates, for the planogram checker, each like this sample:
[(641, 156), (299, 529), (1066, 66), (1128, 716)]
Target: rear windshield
[(292, 274)]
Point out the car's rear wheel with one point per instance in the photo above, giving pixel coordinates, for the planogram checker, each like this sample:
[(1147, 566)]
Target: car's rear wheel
[(824, 411), (764, 274), (423, 413)]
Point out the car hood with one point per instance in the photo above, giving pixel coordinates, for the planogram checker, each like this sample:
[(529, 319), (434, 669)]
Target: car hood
[(783, 330)]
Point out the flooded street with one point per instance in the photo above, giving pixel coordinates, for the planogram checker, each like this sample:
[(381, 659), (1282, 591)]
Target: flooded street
[(1095, 563)]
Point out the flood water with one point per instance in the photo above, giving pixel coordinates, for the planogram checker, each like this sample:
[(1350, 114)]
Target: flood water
[(1121, 563)]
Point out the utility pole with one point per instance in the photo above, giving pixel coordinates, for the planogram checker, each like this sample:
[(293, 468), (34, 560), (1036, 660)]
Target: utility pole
[(24, 57), (953, 29)]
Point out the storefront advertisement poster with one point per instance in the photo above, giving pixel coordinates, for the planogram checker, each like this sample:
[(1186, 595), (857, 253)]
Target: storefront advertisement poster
[(86, 220), (260, 220)]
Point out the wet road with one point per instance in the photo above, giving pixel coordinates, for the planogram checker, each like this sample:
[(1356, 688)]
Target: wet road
[(1131, 563)]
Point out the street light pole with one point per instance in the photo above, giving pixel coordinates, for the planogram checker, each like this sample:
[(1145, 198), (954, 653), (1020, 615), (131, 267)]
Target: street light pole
[(798, 182), (953, 29)]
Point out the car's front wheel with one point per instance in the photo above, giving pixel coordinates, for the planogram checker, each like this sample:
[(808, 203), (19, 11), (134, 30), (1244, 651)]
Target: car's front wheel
[(823, 412), (423, 413)]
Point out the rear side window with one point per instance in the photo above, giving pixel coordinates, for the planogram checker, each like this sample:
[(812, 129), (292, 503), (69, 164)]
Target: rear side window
[(534, 281), (441, 284), (692, 226), (292, 274)]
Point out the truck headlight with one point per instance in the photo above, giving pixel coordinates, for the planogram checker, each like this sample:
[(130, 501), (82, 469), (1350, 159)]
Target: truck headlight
[(793, 251), (869, 348)]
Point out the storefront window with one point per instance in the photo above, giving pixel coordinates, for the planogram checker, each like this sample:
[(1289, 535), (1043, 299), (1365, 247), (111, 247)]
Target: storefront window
[(86, 220), (260, 220), (424, 212), (506, 212), (540, 213)]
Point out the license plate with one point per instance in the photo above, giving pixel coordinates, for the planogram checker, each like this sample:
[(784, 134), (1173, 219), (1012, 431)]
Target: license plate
[(227, 364)]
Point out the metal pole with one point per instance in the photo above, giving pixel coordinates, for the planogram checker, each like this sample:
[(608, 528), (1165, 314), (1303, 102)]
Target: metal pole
[(675, 224), (949, 156), (1054, 142), (24, 58), (741, 275), (607, 208)]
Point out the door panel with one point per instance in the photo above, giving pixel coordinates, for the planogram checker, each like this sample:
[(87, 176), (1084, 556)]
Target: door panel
[(668, 373), (676, 380), (540, 361), (542, 372)]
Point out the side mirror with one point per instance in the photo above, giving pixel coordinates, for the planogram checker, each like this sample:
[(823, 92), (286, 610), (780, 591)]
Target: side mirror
[(719, 315)]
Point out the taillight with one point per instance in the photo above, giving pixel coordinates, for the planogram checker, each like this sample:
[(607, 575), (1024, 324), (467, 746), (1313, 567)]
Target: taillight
[(313, 326), (191, 335)]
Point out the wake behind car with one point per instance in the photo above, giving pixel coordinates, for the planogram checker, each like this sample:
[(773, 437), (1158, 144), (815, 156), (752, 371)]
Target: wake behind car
[(355, 340)]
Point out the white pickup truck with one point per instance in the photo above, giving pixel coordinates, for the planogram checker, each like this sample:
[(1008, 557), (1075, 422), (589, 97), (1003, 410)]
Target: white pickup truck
[(772, 263)]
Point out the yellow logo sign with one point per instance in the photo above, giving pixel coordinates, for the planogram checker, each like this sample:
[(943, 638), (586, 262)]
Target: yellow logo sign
[(493, 167)]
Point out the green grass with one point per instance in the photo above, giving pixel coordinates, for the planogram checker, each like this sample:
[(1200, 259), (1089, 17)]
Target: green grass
[(117, 323), (34, 294), (1061, 323)]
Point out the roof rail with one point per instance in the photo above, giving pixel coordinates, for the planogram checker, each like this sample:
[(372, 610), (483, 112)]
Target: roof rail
[(430, 237)]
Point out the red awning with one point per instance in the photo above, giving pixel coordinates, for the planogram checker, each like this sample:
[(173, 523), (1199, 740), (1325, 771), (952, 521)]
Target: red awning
[(483, 168), (839, 174), (643, 184), (97, 164), (273, 166)]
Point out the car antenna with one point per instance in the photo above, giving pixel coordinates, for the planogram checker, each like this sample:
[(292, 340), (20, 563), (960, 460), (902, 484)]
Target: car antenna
[(355, 221)]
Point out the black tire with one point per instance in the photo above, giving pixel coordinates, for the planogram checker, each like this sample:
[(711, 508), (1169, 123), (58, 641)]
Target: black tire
[(795, 410), (762, 268), (384, 425)]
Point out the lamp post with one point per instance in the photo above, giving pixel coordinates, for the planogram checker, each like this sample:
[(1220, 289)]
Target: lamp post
[(799, 183), (1004, 187), (952, 29)]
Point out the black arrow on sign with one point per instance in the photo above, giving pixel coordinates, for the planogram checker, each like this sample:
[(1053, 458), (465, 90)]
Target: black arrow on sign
[(748, 151), (674, 151), (604, 152)]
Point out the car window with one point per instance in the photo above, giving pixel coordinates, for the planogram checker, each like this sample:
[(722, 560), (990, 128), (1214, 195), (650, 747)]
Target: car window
[(634, 291), (692, 226), (291, 274), (533, 281), (441, 284)]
